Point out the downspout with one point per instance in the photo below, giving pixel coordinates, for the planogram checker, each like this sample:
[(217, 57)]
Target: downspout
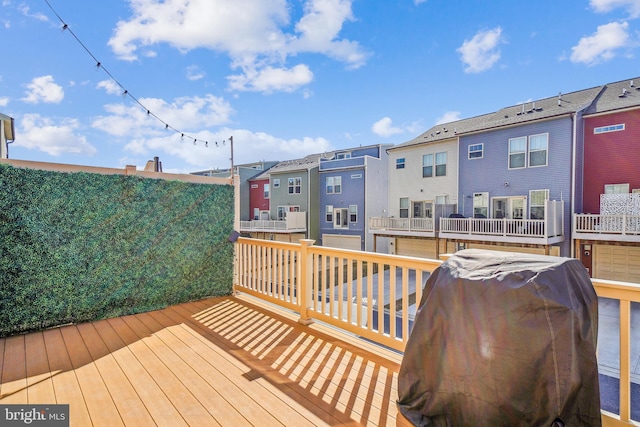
[(573, 176)]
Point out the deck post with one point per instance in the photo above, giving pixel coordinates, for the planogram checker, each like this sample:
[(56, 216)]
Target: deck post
[(305, 286)]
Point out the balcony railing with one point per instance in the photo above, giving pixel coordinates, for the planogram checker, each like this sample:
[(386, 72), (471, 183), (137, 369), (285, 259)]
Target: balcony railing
[(426, 225), (375, 295), (607, 227), (295, 222)]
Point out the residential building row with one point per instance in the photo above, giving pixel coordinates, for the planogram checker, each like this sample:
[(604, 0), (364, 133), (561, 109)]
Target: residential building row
[(557, 176)]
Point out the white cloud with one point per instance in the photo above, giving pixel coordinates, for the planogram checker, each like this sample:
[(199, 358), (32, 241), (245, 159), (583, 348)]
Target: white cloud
[(190, 113), (257, 43), (248, 146), (601, 46), (384, 128), (605, 6), (480, 53), (109, 86), (417, 2), (4, 101), (25, 10), (195, 73), (449, 116), (43, 89), (271, 79), (43, 134)]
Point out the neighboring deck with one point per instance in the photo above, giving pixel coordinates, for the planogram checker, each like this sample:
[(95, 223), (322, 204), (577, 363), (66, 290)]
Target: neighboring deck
[(221, 361)]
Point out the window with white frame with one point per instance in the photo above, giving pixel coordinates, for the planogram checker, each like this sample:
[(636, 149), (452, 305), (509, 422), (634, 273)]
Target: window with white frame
[(610, 128), (353, 213), (266, 191), (480, 205), (427, 165), (400, 163), (528, 152), (616, 188), (334, 184), (441, 200), (254, 185), (328, 213), (295, 185), (423, 209), (276, 183), (340, 218), (345, 155), (441, 164), (536, 203), (404, 207), (476, 151)]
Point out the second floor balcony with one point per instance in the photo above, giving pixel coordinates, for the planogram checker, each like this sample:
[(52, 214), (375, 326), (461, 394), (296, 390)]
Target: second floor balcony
[(294, 222), (623, 228), (403, 226)]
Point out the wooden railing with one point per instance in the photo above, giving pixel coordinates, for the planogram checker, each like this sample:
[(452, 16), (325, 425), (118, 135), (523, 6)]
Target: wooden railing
[(375, 295)]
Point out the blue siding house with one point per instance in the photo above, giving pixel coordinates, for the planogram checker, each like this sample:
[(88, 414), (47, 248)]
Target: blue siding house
[(353, 185), (517, 176)]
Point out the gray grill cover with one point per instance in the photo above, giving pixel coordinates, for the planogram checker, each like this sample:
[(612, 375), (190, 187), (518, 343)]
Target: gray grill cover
[(503, 339)]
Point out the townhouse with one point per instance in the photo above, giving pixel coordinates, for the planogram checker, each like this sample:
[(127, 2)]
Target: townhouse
[(606, 223), (353, 186)]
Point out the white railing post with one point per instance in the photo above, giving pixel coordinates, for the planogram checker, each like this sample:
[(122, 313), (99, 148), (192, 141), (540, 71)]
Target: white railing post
[(305, 284)]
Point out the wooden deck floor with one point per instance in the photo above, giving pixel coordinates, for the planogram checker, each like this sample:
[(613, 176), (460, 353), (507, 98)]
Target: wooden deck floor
[(220, 361)]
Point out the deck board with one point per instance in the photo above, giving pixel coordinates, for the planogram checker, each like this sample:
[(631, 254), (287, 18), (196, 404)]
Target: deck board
[(224, 361)]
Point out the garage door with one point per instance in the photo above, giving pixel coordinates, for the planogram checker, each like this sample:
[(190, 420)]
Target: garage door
[(342, 242), (620, 263), (421, 248)]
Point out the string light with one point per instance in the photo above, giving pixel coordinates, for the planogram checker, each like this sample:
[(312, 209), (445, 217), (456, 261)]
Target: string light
[(125, 92)]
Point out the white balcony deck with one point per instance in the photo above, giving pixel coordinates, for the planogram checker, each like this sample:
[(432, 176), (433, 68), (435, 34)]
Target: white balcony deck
[(295, 222), (424, 227), (535, 231), (622, 228)]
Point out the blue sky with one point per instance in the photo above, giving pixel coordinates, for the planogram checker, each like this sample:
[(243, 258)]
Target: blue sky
[(286, 78)]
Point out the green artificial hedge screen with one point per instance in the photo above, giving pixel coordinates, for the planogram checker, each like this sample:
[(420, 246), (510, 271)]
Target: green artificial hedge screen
[(78, 247)]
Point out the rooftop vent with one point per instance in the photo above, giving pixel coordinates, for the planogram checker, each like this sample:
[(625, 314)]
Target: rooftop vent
[(624, 93)]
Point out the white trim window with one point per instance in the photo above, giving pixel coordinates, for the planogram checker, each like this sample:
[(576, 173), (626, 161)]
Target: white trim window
[(610, 128), (400, 163), (353, 213), (480, 205), (295, 185), (328, 213), (404, 207), (616, 188), (334, 184), (440, 165), (276, 183), (266, 191), (536, 203), (528, 152), (340, 218), (476, 151)]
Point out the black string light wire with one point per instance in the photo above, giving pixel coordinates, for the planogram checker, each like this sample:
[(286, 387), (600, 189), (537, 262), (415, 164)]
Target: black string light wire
[(125, 92)]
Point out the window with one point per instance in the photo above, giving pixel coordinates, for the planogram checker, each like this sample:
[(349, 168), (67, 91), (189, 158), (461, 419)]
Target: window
[(427, 165), (616, 189), (266, 191), (538, 150), (517, 149), (476, 151), (400, 163), (536, 203), (441, 200), (295, 185), (328, 212), (441, 164), (276, 183), (423, 209), (334, 184), (480, 205), (404, 207), (345, 155), (340, 218), (256, 213), (353, 213), (610, 128), (417, 209), (356, 176), (254, 185), (528, 152)]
